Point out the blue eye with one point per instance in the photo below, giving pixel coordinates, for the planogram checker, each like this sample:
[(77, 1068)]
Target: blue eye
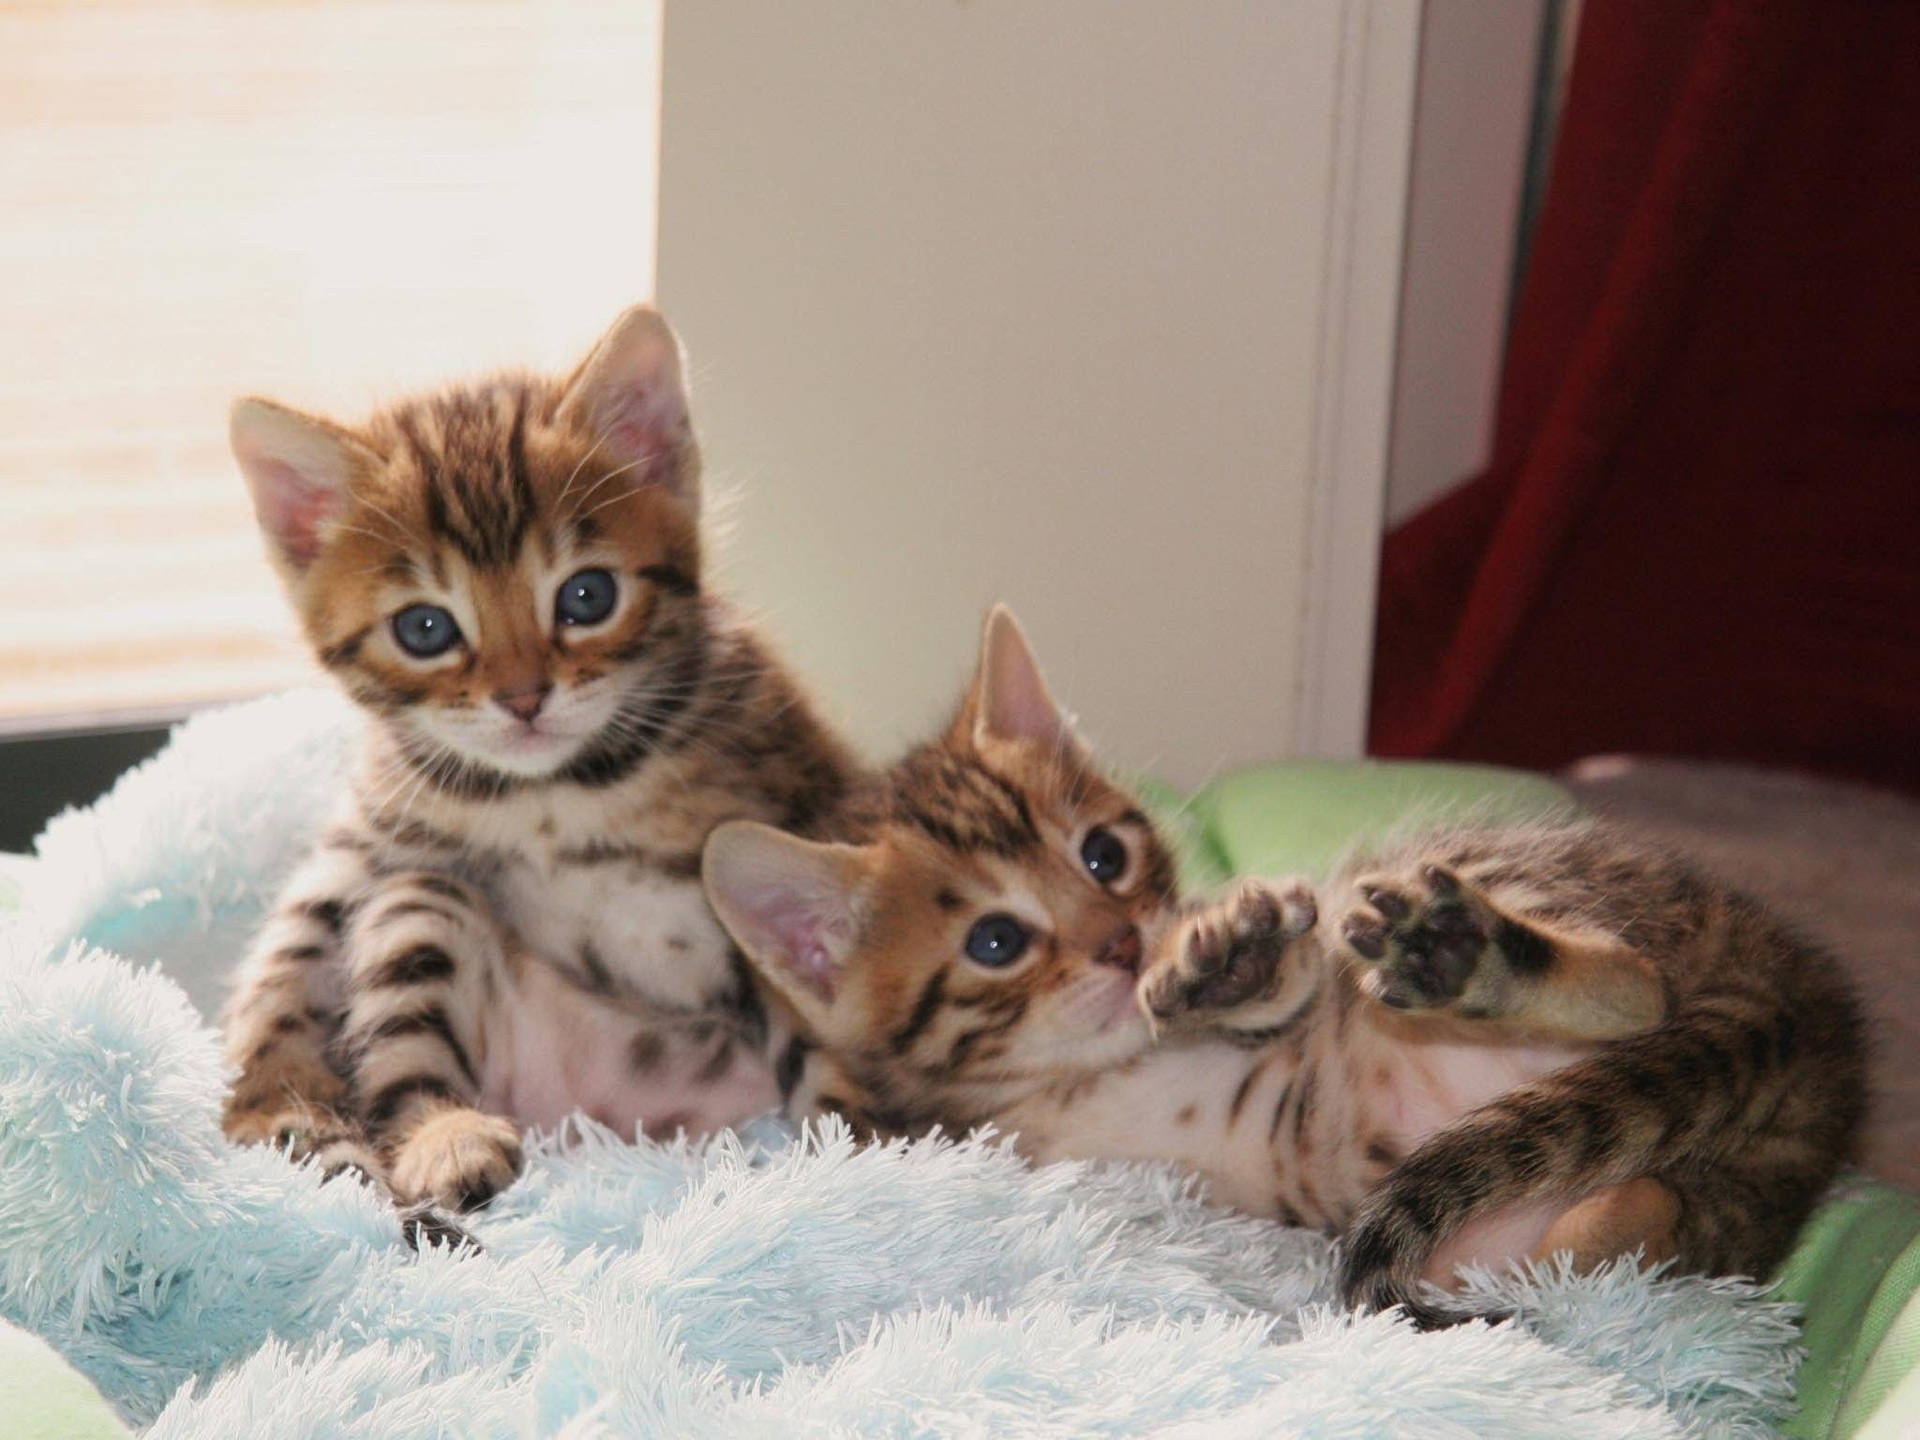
[(996, 941), (1104, 854), (586, 598), (425, 630)]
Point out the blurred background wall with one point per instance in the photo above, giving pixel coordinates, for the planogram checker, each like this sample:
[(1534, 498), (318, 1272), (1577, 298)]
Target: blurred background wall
[(1087, 306)]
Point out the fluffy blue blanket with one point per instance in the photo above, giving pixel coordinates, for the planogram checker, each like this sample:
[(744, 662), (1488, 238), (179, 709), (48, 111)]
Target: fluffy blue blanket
[(765, 1284)]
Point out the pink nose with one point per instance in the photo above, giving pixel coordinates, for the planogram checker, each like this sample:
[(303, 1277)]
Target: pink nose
[(1123, 951), (523, 703)]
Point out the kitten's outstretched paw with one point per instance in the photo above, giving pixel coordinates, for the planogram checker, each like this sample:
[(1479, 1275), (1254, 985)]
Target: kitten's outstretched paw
[(1417, 939), (459, 1159), (1229, 954)]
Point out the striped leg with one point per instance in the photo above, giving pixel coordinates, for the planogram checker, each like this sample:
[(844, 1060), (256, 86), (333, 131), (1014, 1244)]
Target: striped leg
[(424, 953), (285, 1011)]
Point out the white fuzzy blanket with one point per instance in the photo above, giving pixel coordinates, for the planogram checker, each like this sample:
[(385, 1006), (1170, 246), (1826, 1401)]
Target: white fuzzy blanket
[(763, 1285)]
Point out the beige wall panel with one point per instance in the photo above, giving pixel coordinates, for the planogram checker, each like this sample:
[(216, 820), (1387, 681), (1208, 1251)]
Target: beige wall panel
[(1034, 301)]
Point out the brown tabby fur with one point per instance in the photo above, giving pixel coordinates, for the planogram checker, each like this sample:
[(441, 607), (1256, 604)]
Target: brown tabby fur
[(504, 919), (1477, 1045)]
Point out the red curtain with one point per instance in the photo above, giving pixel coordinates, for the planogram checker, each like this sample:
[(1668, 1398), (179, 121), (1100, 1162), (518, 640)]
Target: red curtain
[(1699, 532)]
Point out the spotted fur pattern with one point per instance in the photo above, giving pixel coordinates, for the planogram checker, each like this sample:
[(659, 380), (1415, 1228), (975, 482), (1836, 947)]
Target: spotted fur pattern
[(1476, 1045), (504, 920)]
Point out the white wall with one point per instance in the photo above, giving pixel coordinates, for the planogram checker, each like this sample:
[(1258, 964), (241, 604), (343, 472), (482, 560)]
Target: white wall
[(1478, 60), (1084, 304)]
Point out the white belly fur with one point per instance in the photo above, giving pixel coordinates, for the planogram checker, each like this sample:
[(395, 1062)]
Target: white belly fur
[(1431, 1080), (1135, 1115), (552, 1048), (653, 932)]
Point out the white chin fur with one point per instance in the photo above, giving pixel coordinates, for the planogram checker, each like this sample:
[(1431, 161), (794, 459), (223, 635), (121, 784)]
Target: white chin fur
[(1097, 1023), (507, 749), (528, 761), (490, 738)]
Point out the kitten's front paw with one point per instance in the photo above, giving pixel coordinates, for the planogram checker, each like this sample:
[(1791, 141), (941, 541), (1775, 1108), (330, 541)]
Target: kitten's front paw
[(459, 1159), (1227, 955), (1417, 939)]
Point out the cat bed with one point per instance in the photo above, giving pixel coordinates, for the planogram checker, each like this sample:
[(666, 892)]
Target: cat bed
[(767, 1283)]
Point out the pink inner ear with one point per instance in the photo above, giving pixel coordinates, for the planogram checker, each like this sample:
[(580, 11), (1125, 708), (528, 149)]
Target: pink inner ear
[(797, 932), (1020, 710), (293, 509), (1017, 704), (816, 967), (647, 428)]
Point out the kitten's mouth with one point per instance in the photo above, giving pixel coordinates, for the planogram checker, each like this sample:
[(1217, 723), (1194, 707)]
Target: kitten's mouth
[(527, 749)]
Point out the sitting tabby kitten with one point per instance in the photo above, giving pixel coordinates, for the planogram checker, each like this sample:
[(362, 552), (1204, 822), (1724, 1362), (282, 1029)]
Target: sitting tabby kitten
[(1486, 1045), (504, 920)]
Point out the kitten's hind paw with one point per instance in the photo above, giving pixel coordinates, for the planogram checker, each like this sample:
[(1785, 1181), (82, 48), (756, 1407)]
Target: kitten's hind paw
[(1418, 939), (1229, 955)]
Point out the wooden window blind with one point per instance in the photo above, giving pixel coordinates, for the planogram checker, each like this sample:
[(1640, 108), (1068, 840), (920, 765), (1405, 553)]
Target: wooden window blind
[(325, 202)]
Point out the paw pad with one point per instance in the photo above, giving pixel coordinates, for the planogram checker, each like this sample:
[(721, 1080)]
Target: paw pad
[(1424, 937), (1228, 955)]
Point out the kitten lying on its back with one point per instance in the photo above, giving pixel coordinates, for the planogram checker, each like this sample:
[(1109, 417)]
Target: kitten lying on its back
[(504, 920), (1487, 1045)]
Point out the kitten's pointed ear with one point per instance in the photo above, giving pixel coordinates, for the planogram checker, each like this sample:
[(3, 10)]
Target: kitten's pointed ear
[(792, 905), (1009, 699), (630, 397), (298, 468)]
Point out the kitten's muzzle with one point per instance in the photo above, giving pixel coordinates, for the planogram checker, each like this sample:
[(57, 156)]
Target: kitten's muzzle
[(523, 702)]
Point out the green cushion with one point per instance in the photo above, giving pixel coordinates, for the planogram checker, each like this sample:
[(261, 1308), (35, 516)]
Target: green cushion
[(44, 1398), (1856, 1272), (1301, 817), (1184, 824)]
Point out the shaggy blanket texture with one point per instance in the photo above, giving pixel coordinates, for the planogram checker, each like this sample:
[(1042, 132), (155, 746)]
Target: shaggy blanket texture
[(763, 1284)]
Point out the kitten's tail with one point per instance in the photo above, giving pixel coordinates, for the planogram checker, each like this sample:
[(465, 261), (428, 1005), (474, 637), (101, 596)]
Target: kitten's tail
[(1732, 1078)]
